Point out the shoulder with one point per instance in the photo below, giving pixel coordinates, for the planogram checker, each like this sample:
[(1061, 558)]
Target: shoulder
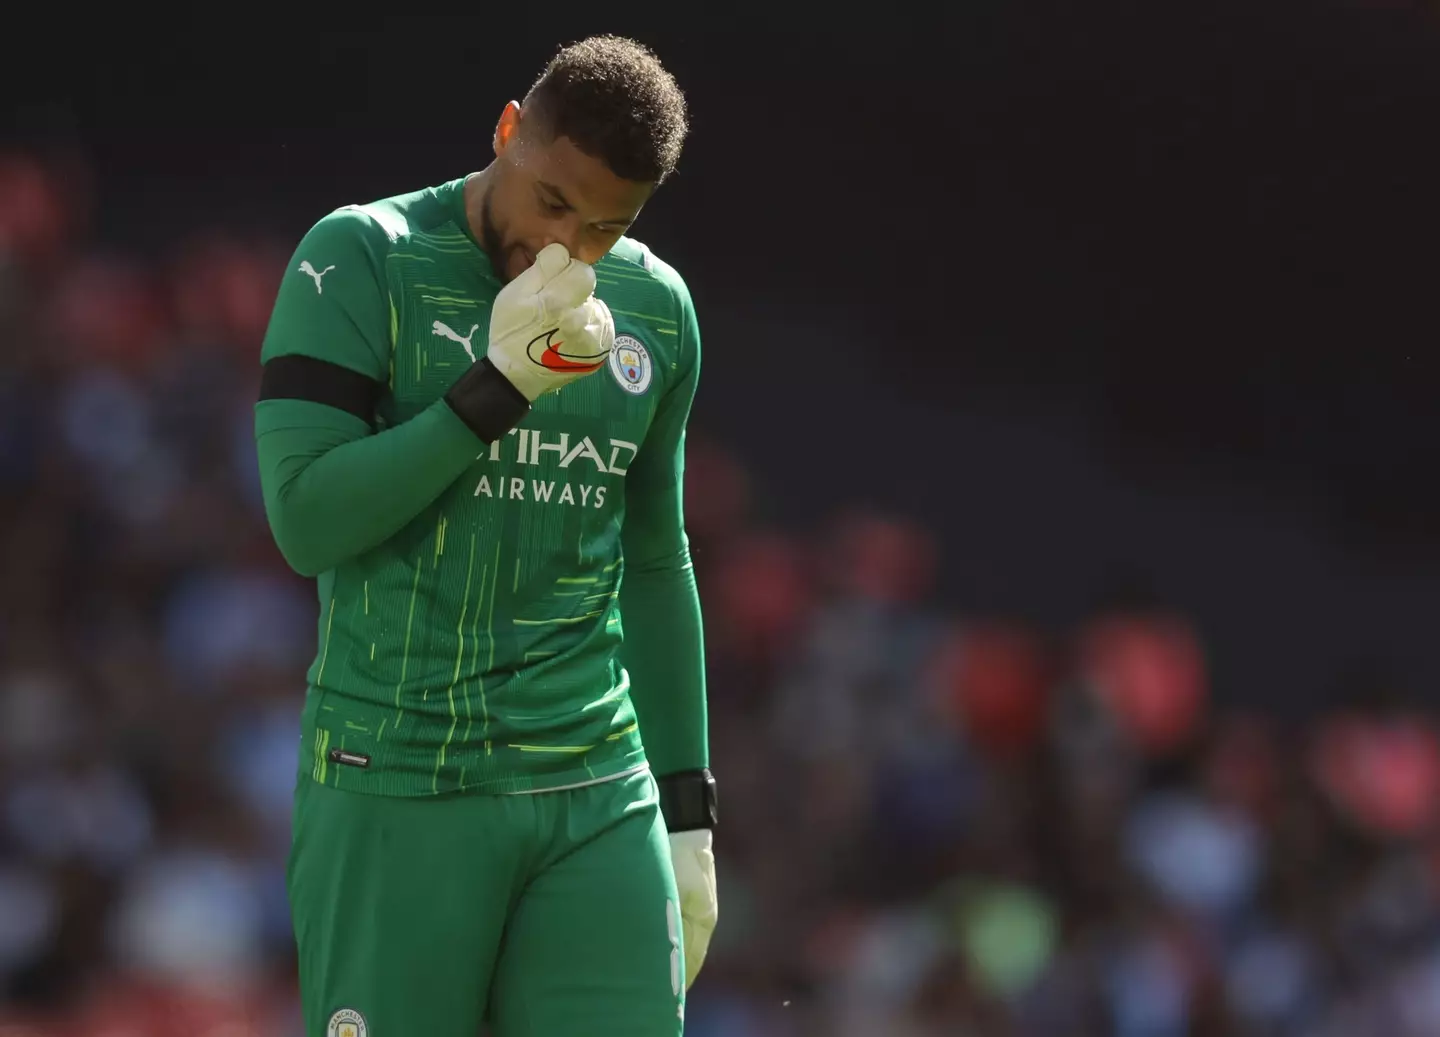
[(649, 297), (378, 226), (635, 260)]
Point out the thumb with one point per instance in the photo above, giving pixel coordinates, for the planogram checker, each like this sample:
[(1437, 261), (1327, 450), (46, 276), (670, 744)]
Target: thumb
[(551, 261)]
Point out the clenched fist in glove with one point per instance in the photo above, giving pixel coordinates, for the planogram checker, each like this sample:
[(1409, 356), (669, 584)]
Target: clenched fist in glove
[(688, 804), (546, 330), (546, 327), (693, 856)]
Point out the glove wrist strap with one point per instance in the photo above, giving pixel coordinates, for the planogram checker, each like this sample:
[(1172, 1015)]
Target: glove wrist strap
[(688, 800), (486, 401)]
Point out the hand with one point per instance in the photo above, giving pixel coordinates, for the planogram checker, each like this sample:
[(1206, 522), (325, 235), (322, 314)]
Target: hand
[(693, 856), (546, 326)]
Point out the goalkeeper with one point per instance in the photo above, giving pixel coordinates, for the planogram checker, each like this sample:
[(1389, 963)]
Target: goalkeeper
[(471, 430)]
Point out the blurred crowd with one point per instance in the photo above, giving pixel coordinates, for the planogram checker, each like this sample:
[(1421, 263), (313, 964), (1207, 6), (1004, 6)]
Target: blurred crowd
[(933, 824)]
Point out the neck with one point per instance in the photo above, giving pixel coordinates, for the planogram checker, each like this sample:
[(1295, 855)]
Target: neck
[(475, 187)]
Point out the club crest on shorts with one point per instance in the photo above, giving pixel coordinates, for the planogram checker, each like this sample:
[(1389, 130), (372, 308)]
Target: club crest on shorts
[(631, 365), (347, 1023)]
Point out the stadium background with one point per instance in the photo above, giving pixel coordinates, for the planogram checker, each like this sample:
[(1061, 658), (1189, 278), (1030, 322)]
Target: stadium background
[(1062, 491)]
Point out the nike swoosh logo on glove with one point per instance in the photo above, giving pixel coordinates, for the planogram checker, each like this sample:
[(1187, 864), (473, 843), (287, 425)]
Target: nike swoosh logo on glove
[(547, 354)]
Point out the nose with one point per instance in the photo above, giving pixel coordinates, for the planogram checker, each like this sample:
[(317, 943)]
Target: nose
[(570, 232)]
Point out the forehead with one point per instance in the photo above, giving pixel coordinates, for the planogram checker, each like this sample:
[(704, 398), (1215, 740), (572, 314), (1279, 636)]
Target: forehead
[(585, 181)]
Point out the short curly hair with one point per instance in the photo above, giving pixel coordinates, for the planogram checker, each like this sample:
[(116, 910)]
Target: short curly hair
[(615, 101)]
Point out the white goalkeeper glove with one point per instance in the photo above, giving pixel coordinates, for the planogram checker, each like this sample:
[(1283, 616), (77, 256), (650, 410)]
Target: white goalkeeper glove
[(693, 856), (546, 326)]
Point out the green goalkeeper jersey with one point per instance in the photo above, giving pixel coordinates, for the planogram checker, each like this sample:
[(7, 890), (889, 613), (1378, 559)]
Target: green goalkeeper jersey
[(473, 639)]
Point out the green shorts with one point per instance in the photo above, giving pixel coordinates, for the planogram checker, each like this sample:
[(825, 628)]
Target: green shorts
[(552, 914)]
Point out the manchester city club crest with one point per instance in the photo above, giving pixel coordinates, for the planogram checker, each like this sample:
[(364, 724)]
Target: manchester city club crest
[(347, 1023), (631, 365)]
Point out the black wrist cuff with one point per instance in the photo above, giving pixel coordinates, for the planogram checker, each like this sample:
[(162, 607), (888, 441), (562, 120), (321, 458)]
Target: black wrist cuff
[(486, 401), (687, 800)]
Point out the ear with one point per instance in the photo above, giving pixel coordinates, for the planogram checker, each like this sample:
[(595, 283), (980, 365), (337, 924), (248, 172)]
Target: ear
[(508, 128)]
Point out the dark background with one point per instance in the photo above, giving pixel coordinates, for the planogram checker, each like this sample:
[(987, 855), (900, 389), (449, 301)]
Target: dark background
[(1079, 311)]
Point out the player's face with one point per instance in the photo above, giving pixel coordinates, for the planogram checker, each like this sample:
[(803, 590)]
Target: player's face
[(544, 190)]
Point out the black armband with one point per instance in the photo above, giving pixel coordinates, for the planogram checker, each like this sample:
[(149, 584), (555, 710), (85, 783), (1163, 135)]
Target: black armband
[(297, 377), (487, 401), (687, 800)]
